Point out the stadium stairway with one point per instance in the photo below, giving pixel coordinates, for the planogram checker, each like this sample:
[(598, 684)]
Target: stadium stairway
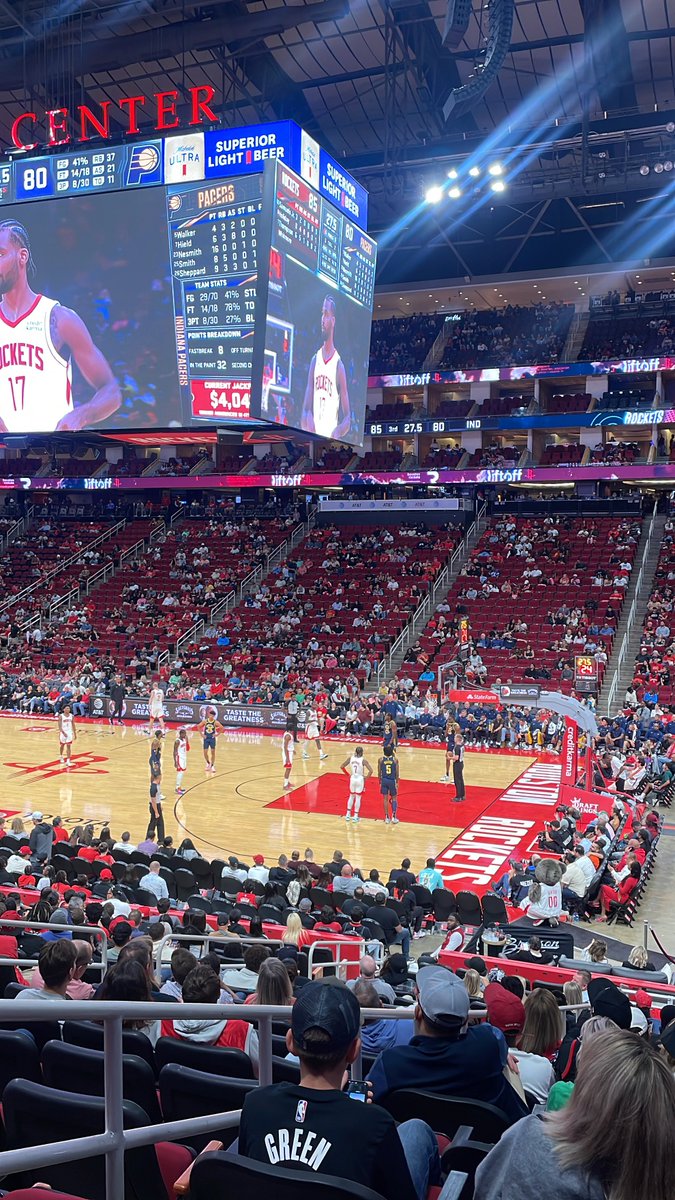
[(621, 665), (394, 660), (575, 337)]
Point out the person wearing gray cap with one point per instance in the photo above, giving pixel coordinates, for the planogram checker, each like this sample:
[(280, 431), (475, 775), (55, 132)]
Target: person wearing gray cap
[(41, 838), (316, 1126), (448, 1055)]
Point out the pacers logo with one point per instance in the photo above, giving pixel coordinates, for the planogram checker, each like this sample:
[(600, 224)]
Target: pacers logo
[(145, 165)]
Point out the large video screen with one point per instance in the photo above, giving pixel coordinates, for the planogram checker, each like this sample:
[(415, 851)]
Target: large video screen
[(86, 314), (316, 286)]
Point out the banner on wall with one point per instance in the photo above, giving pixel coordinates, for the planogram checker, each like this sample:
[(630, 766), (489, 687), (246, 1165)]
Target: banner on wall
[(191, 712), (588, 803)]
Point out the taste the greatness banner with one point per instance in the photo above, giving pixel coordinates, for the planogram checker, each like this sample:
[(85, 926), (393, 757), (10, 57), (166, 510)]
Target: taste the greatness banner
[(315, 479)]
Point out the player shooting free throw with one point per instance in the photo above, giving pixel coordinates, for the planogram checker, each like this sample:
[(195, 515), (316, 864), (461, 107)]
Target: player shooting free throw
[(39, 340), (326, 408)]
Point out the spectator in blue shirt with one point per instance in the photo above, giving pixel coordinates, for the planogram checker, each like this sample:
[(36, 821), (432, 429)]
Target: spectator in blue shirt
[(430, 877)]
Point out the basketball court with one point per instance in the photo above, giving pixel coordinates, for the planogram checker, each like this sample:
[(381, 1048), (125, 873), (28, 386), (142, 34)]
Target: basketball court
[(243, 809)]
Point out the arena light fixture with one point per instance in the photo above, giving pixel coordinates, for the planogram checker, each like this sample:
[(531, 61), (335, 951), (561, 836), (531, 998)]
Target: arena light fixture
[(474, 172), (658, 168), (453, 173), (495, 169), (434, 194), (498, 185), (455, 193), (668, 166), (644, 169)]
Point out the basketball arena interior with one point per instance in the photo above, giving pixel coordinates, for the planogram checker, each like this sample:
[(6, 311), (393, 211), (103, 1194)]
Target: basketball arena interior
[(337, 605)]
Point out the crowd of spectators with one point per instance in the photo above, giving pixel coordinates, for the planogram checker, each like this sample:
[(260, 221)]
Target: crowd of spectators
[(402, 343), (627, 336), (516, 335)]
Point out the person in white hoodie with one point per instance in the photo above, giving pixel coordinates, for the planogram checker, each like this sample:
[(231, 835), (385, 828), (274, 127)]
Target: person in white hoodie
[(202, 986)]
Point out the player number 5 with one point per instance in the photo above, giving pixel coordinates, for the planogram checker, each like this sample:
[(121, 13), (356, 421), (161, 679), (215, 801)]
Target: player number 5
[(18, 387)]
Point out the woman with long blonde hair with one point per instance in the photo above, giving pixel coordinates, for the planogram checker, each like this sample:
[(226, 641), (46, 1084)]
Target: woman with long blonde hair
[(613, 1141), (294, 934)]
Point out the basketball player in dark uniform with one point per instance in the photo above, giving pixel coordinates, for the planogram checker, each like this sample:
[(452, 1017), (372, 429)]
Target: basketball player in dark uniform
[(387, 770), (155, 762), (39, 341), (458, 769), (209, 728)]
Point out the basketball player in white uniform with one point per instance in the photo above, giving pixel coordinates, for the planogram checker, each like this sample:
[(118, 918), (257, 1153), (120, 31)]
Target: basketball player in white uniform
[(156, 706), (181, 747), (312, 734), (39, 340), (287, 752), (326, 408), (67, 733), (358, 769)]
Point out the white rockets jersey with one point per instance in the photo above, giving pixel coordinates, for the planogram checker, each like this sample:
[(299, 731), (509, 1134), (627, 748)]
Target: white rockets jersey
[(326, 404), (356, 767), (181, 755), (66, 732), (35, 381), (287, 751)]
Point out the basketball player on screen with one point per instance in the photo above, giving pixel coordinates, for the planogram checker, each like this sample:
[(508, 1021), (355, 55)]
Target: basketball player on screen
[(39, 340), (326, 408)]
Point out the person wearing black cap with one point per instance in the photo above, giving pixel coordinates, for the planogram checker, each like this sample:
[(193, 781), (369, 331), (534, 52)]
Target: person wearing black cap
[(315, 1126), (448, 1055)]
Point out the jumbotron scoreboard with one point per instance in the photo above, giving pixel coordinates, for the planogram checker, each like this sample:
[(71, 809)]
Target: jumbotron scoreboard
[(208, 214)]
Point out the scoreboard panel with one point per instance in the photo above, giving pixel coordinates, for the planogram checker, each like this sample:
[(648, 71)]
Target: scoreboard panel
[(213, 241), (105, 169), (153, 260), (316, 288)]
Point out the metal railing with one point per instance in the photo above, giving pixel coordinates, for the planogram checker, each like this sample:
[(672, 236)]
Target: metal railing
[(611, 695), (8, 927), (17, 529), (336, 945), (62, 566)]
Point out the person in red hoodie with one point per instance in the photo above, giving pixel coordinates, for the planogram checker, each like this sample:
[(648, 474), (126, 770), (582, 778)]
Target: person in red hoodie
[(202, 986)]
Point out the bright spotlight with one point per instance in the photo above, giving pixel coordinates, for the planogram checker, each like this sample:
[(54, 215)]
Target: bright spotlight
[(474, 172), (498, 185), (453, 174), (455, 193), (434, 194), (495, 169)]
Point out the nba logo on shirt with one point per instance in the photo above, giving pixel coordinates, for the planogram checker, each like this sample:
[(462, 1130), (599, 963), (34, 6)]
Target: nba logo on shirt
[(184, 158), (145, 165), (301, 1112)]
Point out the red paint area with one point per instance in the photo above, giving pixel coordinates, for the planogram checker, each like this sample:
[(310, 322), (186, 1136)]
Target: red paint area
[(418, 803)]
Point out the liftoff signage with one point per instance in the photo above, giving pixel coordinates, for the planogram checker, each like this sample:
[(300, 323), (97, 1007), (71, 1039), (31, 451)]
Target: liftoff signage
[(60, 126)]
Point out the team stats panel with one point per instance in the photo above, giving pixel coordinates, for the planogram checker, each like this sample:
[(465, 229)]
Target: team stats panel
[(213, 246)]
